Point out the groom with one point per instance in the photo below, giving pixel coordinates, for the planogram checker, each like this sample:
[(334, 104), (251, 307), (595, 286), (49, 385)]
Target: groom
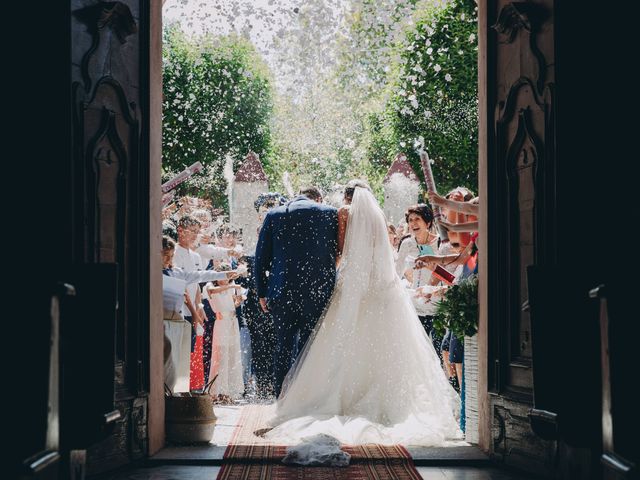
[(295, 271)]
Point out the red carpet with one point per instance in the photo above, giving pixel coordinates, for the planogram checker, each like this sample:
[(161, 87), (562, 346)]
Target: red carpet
[(378, 470), (249, 457)]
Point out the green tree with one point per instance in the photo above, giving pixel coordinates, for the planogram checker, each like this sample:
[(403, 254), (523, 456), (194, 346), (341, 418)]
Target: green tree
[(434, 101), (217, 103)]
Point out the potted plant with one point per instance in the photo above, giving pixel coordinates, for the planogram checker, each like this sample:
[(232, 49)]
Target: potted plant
[(458, 309)]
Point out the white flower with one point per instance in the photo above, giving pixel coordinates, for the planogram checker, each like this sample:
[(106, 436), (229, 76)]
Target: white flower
[(437, 68), (447, 77), (428, 43), (472, 38), (406, 111), (429, 51), (413, 100), (428, 114)]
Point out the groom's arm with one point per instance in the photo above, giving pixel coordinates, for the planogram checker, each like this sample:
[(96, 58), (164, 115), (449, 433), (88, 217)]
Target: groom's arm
[(264, 251)]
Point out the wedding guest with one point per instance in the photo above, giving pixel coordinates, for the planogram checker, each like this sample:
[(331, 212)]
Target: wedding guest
[(422, 241), (211, 255), (211, 247), (393, 239), (402, 231), (454, 204), (188, 260), (226, 359), (263, 340), (204, 217), (246, 348), (259, 322), (458, 200), (229, 238), (452, 348), (461, 209), (177, 330), (267, 201), (169, 229)]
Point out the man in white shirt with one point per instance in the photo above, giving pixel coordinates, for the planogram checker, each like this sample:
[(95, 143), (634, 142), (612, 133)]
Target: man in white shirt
[(189, 261)]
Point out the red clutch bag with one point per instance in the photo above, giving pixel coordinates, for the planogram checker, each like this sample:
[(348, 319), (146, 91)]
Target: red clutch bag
[(444, 275)]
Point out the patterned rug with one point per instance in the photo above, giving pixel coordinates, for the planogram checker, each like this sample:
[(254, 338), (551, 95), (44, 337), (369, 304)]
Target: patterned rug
[(378, 470), (251, 457)]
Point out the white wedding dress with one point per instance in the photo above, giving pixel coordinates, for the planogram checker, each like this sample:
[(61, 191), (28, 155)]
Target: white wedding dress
[(369, 373)]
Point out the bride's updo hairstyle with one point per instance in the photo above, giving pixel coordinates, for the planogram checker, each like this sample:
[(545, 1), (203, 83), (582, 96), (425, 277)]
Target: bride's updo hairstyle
[(351, 188)]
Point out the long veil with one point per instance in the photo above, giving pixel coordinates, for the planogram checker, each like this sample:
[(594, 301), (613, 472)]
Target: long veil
[(367, 263)]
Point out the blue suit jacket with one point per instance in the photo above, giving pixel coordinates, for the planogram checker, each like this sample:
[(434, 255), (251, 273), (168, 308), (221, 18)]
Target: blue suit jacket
[(297, 245)]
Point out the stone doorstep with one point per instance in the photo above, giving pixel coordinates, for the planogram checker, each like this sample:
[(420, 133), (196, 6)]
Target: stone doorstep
[(464, 455), (459, 453)]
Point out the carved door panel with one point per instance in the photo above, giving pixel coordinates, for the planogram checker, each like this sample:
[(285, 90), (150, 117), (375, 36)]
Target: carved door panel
[(111, 188), (522, 177), (107, 151)]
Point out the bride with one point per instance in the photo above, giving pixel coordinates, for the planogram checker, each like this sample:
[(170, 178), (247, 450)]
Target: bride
[(368, 373)]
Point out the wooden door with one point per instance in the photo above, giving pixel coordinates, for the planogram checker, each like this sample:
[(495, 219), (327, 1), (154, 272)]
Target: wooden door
[(110, 169), (520, 195)]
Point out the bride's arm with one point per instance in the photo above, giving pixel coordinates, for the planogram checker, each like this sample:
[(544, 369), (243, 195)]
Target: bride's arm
[(343, 217)]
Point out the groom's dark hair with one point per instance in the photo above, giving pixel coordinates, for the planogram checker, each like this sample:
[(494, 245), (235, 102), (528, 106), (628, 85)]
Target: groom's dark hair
[(313, 193)]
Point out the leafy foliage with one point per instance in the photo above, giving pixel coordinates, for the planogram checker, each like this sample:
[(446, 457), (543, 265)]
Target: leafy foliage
[(458, 310), (396, 75), (432, 102), (217, 103)]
